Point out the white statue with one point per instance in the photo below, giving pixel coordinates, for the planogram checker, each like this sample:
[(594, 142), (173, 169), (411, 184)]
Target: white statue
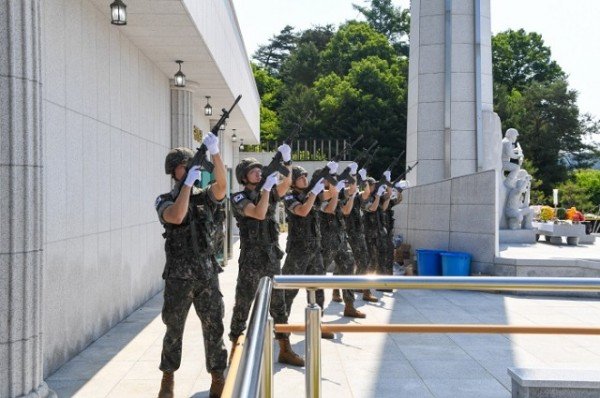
[(512, 156), (518, 213)]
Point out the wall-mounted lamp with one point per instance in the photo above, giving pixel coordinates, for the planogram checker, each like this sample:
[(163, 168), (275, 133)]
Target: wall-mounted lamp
[(207, 108), (241, 144), (233, 136), (179, 76), (222, 128), (118, 13)]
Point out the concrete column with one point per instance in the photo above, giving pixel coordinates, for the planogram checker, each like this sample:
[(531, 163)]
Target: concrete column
[(21, 201), (182, 115), (450, 87)]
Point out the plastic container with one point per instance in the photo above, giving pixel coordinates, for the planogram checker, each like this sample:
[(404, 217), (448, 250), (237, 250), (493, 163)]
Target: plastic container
[(456, 264), (429, 262)]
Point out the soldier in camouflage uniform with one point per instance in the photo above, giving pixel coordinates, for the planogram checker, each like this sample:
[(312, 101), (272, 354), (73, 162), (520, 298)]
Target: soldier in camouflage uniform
[(375, 231), (260, 254), (388, 217), (334, 242), (356, 230), (191, 272), (304, 235)]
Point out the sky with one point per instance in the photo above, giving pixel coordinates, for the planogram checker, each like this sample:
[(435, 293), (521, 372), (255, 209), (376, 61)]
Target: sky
[(570, 28)]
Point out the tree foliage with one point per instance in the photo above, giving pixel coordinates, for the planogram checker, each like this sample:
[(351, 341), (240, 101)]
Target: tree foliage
[(272, 55), (392, 22)]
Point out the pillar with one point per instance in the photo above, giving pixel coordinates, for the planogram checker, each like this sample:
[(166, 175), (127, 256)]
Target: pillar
[(182, 115), (21, 201)]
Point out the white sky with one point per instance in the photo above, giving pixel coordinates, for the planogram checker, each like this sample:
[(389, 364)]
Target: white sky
[(570, 28)]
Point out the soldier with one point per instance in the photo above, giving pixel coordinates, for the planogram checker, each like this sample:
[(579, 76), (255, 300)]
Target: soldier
[(334, 242), (356, 231), (375, 232), (304, 236), (191, 271), (260, 254)]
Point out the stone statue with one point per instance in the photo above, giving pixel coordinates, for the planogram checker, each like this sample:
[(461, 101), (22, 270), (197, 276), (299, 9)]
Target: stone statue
[(512, 156), (518, 213)]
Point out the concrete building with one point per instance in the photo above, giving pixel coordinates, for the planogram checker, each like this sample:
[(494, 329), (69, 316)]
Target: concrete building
[(87, 113)]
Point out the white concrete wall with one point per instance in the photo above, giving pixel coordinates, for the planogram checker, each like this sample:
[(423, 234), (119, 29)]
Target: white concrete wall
[(458, 214), (106, 130)]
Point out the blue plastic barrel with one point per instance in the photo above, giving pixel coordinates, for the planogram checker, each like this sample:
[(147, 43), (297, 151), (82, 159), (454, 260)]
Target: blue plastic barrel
[(429, 262), (456, 264)]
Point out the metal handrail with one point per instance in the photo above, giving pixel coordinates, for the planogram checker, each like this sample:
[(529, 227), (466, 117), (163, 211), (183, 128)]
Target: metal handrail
[(247, 379), (437, 282)]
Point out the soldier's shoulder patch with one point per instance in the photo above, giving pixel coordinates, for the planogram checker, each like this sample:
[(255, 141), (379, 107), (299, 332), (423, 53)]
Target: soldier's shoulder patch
[(157, 201), (160, 199), (238, 198), (288, 197)]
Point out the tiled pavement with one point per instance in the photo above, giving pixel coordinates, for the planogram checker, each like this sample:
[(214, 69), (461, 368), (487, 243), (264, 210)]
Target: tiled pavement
[(124, 362)]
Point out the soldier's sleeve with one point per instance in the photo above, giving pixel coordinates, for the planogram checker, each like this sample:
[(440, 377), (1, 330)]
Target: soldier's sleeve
[(291, 201), (367, 203), (161, 203), (239, 201), (274, 197)]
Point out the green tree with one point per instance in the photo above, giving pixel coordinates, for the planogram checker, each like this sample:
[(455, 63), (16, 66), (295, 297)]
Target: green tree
[(317, 35), (520, 58), (393, 22), (269, 89), (271, 56), (537, 196), (302, 66), (582, 190), (354, 41)]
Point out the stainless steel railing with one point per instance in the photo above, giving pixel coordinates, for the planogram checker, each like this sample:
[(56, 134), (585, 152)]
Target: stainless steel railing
[(257, 354)]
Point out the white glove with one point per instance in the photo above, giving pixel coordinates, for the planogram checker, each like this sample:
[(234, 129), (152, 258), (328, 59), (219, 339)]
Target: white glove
[(363, 174), (212, 143), (388, 175), (286, 152), (193, 175), (340, 185), (333, 166), (394, 195), (318, 188), (402, 184), (353, 167), (381, 190), (270, 182)]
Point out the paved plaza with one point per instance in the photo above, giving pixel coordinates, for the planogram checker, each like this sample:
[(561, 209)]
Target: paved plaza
[(124, 362)]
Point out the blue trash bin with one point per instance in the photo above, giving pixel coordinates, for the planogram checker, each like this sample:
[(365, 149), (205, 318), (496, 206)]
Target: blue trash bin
[(456, 264), (429, 262)]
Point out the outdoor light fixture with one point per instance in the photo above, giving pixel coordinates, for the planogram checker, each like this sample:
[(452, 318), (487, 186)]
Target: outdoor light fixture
[(222, 128), (207, 108), (179, 76), (118, 13), (233, 136), (241, 144)]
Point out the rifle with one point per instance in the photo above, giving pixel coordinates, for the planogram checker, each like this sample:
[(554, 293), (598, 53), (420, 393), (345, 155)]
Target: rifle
[(401, 176), (325, 172), (382, 180), (276, 162), (345, 175), (200, 158)]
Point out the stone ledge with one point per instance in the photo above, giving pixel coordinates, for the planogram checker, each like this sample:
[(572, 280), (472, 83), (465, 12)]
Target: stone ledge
[(556, 378)]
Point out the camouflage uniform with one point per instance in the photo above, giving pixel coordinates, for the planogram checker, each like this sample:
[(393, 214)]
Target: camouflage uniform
[(375, 236), (191, 277), (356, 237), (303, 246), (388, 218), (334, 242), (260, 256)]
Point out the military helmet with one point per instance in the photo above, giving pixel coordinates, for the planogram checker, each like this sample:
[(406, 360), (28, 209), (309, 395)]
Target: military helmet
[(297, 172), (371, 180), (177, 156), (244, 167)]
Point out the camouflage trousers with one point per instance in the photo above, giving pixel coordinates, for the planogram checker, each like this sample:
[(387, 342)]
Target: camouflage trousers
[(360, 253), (389, 252), (344, 265), (303, 258), (255, 263), (376, 243), (206, 296)]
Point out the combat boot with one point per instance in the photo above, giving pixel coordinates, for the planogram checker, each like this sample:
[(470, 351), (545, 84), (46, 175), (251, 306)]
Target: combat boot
[(352, 312), (166, 385), (336, 296), (218, 382), (287, 355), (367, 296)]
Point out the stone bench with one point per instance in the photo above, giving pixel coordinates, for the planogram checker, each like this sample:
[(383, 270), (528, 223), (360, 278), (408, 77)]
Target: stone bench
[(555, 383), (554, 232)]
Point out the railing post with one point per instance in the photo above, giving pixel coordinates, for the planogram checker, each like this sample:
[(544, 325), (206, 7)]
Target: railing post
[(313, 346), (266, 390)]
